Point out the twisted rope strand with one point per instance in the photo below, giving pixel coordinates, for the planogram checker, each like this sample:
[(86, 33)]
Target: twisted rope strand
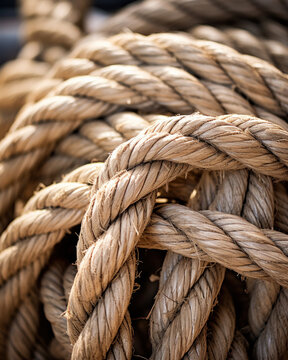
[(156, 16), (166, 92), (53, 298), (221, 327), (23, 331), (48, 37), (270, 301), (246, 43), (112, 197), (41, 227)]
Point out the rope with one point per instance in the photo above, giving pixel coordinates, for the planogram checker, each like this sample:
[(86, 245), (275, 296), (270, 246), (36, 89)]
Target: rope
[(53, 298), (50, 30), (105, 226), (85, 97), (208, 188), (33, 221), (156, 16), (23, 340), (270, 300), (246, 43)]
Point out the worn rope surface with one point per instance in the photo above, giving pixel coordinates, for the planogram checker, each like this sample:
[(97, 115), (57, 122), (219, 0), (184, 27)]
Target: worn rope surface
[(78, 311), (127, 82), (76, 202), (208, 189), (245, 42), (156, 16), (49, 30)]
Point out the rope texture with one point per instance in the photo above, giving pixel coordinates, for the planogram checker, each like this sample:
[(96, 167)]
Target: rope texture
[(208, 188)]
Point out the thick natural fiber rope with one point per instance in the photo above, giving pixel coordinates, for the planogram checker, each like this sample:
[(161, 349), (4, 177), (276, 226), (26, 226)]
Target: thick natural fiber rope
[(257, 194), (105, 226), (50, 31), (269, 302), (226, 197), (183, 309), (53, 296), (221, 329), (94, 140), (23, 339), (156, 16), (106, 52), (169, 301), (264, 309), (65, 218), (246, 43), (168, 95), (71, 67)]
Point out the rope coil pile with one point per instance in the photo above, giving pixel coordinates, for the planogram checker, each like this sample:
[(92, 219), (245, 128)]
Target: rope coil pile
[(143, 184)]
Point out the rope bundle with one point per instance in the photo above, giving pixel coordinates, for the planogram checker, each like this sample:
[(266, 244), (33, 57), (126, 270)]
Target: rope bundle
[(49, 29), (166, 147)]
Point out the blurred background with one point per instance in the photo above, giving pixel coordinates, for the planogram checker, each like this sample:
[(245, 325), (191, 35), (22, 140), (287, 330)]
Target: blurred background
[(10, 38)]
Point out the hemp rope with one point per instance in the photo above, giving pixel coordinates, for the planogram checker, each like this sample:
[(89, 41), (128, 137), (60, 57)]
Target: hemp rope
[(170, 298), (61, 224), (246, 43), (204, 121), (221, 328), (122, 346), (22, 342), (50, 30), (227, 201), (76, 104), (54, 300), (94, 225), (151, 16), (269, 303), (195, 282), (71, 67), (260, 213), (94, 141)]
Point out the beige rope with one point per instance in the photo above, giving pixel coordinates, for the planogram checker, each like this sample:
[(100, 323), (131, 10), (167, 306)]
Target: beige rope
[(221, 327), (53, 298), (204, 121), (183, 309), (65, 218), (163, 73), (105, 226), (21, 341), (224, 197), (50, 30), (156, 16), (246, 43), (164, 96), (268, 303)]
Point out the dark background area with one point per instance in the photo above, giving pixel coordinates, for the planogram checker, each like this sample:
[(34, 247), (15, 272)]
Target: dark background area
[(10, 39), (107, 5)]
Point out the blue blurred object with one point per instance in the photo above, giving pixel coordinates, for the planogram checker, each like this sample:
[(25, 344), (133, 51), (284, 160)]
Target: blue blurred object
[(9, 34)]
